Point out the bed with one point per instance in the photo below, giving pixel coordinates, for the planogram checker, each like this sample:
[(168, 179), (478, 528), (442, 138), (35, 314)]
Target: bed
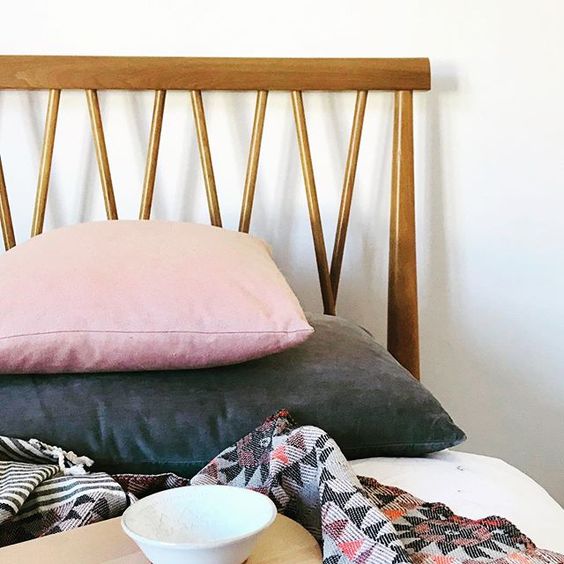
[(472, 485)]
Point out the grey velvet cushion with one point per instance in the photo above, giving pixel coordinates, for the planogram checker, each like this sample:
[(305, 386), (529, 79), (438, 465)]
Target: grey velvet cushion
[(340, 380)]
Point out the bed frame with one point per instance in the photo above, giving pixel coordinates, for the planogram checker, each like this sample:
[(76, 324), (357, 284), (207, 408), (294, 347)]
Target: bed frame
[(402, 76)]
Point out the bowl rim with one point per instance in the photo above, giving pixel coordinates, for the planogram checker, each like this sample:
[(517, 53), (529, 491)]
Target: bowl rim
[(198, 545)]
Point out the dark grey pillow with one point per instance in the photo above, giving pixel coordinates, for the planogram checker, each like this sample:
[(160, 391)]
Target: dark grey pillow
[(340, 379)]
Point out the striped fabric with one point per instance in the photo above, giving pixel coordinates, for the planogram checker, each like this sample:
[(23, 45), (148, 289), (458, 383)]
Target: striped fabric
[(19, 480), (44, 490)]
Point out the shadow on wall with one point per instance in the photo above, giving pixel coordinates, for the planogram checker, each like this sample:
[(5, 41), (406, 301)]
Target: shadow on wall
[(437, 255), (492, 390)]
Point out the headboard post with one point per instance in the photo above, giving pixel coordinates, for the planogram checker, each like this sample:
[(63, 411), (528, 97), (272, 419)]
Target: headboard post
[(403, 322)]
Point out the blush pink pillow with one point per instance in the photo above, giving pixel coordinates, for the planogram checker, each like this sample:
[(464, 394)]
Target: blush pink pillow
[(142, 295)]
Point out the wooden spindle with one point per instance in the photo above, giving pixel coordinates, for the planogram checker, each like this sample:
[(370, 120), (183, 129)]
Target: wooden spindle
[(46, 160), (5, 214), (403, 327), (252, 164), (205, 157), (101, 153), (348, 187), (313, 204), (152, 155)]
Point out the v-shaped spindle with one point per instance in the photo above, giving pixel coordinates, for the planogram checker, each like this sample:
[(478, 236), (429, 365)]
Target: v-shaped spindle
[(152, 155), (348, 188), (252, 163), (205, 157), (101, 153), (313, 204), (46, 160)]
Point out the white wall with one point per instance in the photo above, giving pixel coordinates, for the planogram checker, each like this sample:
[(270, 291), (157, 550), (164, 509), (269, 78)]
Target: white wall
[(489, 172)]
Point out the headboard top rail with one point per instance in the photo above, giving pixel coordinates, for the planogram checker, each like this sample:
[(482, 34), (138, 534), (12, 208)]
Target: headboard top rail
[(207, 73)]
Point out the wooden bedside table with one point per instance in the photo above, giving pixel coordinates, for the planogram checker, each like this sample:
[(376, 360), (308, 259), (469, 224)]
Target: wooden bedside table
[(285, 542)]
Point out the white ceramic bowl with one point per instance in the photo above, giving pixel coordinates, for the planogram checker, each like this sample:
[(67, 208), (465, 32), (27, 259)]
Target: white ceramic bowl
[(199, 524)]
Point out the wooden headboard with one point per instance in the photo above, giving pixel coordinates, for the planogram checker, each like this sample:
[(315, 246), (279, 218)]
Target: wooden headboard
[(402, 76)]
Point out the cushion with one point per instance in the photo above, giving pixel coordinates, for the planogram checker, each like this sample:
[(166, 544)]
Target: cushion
[(142, 295), (340, 380)]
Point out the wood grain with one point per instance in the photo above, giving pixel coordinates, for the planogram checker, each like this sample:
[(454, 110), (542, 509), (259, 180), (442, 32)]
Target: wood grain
[(205, 157), (46, 159), (285, 542), (313, 204), (252, 164), (348, 187), (205, 73), (152, 155), (403, 327), (101, 154)]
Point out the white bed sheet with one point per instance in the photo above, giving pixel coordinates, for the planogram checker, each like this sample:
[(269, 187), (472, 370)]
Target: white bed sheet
[(475, 486)]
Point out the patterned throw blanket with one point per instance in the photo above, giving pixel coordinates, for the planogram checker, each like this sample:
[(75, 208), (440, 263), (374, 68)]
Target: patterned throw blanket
[(44, 490)]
